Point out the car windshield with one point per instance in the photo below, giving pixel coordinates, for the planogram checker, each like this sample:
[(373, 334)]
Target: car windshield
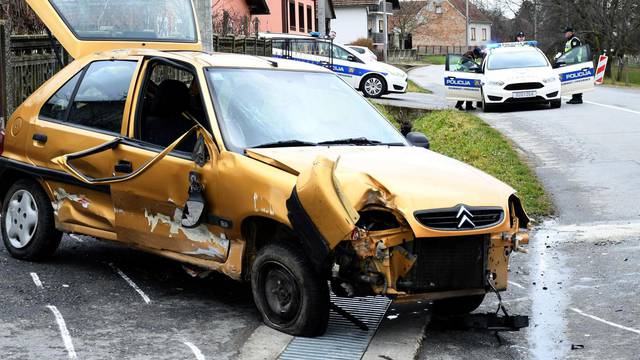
[(267, 108), (152, 20), (516, 59)]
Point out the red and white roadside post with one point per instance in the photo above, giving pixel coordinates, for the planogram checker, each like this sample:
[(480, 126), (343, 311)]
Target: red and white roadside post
[(602, 65)]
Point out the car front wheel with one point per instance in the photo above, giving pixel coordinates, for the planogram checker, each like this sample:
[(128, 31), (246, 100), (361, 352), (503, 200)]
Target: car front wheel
[(288, 292), (28, 227), (556, 104), (374, 86)]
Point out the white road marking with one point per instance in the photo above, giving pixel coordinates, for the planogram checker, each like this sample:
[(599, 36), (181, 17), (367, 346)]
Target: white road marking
[(195, 350), (516, 284), (66, 338), (609, 106), (36, 280), (76, 238), (605, 321), (132, 284)]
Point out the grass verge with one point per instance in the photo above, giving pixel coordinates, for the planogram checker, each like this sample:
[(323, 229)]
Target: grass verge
[(433, 59), (467, 138), (413, 87), (630, 76)]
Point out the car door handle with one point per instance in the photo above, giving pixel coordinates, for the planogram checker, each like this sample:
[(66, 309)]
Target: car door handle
[(41, 138), (123, 167)]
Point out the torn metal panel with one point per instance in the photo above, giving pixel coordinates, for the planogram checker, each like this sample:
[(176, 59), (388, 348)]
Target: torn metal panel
[(198, 241), (80, 206)]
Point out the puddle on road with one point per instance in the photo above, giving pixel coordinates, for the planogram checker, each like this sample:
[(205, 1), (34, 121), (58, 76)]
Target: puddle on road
[(549, 295)]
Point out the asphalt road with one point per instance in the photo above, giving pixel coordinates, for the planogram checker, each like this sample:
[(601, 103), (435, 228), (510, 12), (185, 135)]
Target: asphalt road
[(581, 280), (107, 318)]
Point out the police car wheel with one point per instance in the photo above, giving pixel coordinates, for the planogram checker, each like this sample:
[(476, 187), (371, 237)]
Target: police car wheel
[(555, 104), (373, 86)]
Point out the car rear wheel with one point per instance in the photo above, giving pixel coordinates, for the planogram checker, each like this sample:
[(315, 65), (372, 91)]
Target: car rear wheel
[(28, 227), (555, 104), (457, 305), (288, 292), (374, 86)]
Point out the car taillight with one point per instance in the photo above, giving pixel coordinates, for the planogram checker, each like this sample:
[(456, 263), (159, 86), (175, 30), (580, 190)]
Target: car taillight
[(1, 141)]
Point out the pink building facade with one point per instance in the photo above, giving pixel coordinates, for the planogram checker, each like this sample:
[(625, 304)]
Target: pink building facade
[(289, 16)]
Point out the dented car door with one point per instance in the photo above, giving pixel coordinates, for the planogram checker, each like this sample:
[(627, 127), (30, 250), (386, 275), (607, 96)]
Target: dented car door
[(86, 111), (151, 209)]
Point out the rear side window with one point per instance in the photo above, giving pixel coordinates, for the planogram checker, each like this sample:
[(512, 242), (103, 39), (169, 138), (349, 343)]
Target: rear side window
[(100, 98), (56, 107)]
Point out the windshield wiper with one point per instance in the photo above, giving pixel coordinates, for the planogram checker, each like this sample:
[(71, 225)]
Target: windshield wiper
[(285, 143), (357, 141)]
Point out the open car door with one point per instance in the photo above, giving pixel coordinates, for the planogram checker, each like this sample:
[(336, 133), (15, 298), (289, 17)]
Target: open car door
[(462, 79), (84, 27), (575, 70)]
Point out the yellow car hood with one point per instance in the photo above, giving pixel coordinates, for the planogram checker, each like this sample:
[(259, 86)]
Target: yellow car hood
[(416, 178)]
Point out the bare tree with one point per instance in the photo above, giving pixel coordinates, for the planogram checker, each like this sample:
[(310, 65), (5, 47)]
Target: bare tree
[(411, 15), (228, 21), (23, 19)]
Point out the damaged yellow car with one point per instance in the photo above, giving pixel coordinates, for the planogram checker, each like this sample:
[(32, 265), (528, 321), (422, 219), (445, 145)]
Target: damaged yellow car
[(269, 171)]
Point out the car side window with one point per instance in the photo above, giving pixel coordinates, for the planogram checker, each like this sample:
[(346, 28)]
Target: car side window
[(101, 96), (56, 107), (576, 55), (171, 105), (339, 53), (460, 63)]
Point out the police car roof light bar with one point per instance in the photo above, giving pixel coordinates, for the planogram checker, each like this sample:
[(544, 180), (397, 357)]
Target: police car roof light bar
[(533, 43)]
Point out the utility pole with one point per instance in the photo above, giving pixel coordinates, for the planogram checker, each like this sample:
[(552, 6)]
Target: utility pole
[(466, 16), (204, 13), (535, 19), (322, 24), (385, 31)]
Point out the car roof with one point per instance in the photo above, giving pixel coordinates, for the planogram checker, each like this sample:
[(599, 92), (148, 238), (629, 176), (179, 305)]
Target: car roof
[(207, 59), (514, 49)]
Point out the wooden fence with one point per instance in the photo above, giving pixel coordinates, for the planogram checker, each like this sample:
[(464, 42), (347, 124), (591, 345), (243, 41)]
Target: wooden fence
[(441, 49), (242, 45)]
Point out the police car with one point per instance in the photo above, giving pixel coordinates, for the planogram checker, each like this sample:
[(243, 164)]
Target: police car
[(518, 73), (373, 78)]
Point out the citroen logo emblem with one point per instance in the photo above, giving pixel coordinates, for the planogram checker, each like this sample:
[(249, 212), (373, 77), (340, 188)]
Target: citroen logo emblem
[(464, 217)]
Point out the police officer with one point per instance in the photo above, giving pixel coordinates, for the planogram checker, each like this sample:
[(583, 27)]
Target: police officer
[(572, 42), (520, 37), (469, 62)]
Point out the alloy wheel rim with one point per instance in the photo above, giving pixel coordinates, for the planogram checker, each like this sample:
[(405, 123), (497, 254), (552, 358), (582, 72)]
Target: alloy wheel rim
[(21, 220), (373, 86)]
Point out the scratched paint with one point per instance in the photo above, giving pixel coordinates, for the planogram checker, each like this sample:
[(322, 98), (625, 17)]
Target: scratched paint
[(262, 205), (217, 245), (61, 195)]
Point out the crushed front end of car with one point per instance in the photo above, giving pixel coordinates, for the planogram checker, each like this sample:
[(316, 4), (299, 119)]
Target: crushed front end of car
[(354, 231)]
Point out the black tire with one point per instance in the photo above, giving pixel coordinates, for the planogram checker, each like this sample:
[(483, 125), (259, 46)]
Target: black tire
[(43, 239), (368, 90), (486, 107), (555, 104), (457, 305), (288, 292)]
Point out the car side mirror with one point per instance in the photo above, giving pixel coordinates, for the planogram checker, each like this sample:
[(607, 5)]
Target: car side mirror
[(195, 208), (418, 139), (558, 64), (200, 155)]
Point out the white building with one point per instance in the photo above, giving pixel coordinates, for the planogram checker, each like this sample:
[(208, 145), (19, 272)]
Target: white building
[(357, 19)]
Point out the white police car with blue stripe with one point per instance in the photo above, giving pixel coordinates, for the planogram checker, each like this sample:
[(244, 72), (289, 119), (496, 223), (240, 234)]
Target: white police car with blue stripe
[(518, 73), (373, 78)]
